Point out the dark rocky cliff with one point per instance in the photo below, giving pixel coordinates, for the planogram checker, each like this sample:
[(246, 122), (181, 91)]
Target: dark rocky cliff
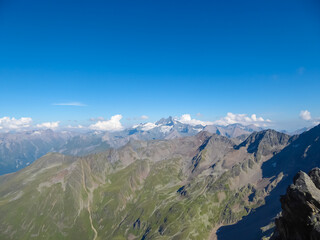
[(300, 218)]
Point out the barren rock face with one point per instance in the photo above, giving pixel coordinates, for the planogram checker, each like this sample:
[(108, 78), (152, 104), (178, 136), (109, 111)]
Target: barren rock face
[(300, 218)]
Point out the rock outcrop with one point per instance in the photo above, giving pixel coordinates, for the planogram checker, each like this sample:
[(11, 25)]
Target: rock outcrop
[(300, 219)]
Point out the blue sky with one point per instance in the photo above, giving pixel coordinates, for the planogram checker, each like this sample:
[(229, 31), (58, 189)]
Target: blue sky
[(160, 58)]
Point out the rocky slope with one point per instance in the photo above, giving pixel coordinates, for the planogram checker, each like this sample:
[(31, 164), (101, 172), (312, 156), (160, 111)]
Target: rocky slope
[(160, 189), (181, 188), (233, 130), (300, 218), (301, 153)]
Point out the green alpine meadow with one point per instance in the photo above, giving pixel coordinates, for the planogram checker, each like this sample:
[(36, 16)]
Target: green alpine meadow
[(162, 189)]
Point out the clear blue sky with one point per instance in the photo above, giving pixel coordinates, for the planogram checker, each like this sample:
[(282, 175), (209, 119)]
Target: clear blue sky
[(160, 58)]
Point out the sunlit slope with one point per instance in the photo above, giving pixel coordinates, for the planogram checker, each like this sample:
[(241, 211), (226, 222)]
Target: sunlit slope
[(174, 189)]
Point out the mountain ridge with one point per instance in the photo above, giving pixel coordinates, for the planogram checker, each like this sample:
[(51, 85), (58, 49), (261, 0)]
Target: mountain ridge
[(17, 150), (117, 185), (302, 153)]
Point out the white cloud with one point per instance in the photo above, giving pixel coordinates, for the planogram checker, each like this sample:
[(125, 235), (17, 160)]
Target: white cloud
[(144, 117), (229, 119), (77, 104), (113, 124), (51, 125), (7, 123), (186, 119), (316, 122), (75, 127), (305, 115), (243, 119)]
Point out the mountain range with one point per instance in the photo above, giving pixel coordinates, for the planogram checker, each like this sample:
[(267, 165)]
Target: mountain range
[(175, 188), (19, 149)]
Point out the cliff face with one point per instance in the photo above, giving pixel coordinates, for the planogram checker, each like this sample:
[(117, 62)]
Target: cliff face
[(300, 219)]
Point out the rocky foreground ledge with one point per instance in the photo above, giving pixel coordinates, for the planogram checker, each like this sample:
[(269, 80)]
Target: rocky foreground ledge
[(300, 217)]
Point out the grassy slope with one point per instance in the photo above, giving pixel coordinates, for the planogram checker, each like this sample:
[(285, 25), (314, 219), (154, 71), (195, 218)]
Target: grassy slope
[(133, 205), (135, 200)]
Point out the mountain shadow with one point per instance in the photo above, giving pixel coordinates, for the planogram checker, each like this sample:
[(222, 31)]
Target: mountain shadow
[(303, 153)]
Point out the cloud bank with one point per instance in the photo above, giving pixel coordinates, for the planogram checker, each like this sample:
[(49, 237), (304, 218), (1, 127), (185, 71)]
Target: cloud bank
[(24, 123), (114, 123), (305, 115), (75, 127), (243, 119), (48, 125), (111, 125), (186, 119), (8, 123)]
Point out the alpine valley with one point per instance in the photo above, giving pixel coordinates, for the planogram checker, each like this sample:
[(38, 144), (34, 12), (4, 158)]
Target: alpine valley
[(166, 181)]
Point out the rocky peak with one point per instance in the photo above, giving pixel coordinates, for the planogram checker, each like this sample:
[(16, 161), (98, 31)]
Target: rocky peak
[(300, 219), (203, 135), (265, 141), (166, 121)]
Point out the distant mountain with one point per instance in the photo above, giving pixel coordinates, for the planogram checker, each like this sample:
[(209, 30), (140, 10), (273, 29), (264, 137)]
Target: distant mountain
[(296, 132), (165, 127), (299, 131), (19, 149), (233, 130)]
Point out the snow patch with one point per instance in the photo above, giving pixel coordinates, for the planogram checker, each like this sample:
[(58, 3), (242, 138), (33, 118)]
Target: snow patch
[(197, 129), (166, 129), (148, 126)]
